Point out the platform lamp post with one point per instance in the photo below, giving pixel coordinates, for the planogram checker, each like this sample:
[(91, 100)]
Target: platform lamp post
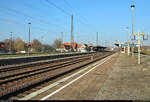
[(132, 7), (128, 41), (29, 40)]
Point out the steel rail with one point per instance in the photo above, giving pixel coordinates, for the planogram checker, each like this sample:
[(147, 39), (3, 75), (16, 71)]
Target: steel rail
[(41, 70), (15, 67), (35, 68), (32, 80)]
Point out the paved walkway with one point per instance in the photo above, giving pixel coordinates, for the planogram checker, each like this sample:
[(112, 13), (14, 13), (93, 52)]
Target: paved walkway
[(128, 80)]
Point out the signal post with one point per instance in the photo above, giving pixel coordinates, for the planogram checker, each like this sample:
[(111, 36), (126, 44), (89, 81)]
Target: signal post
[(139, 43)]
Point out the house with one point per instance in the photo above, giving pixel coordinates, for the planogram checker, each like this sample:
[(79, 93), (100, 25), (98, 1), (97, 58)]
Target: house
[(82, 47), (99, 48), (60, 49), (70, 46), (125, 47), (3, 47), (77, 47)]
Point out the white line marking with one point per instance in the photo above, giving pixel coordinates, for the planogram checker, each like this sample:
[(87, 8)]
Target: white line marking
[(145, 55), (51, 94), (33, 94)]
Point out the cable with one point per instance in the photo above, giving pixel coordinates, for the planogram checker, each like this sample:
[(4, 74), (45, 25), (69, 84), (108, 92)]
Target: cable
[(70, 6), (36, 8), (62, 10), (73, 9), (146, 28), (21, 24), (33, 18), (18, 23), (78, 13)]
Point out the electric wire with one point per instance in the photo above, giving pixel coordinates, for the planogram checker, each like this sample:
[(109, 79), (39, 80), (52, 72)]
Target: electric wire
[(36, 8), (32, 18), (78, 13), (59, 8)]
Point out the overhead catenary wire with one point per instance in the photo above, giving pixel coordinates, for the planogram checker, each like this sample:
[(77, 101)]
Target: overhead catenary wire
[(65, 12), (78, 13), (41, 21), (32, 18), (146, 28), (21, 24), (25, 15), (62, 10), (75, 12), (74, 9), (35, 9)]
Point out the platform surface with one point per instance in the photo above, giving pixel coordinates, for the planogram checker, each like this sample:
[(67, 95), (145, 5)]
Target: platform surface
[(128, 80)]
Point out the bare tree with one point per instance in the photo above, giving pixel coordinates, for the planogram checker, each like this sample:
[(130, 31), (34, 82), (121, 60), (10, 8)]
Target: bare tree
[(37, 45), (19, 44), (7, 44), (57, 43), (48, 48)]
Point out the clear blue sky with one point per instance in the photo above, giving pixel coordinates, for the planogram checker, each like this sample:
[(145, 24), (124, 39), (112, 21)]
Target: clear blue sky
[(108, 17)]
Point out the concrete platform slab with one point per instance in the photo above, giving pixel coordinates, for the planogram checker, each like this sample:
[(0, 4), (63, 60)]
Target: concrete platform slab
[(128, 80)]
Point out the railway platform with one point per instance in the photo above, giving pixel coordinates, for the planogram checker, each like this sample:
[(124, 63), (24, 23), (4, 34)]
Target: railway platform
[(128, 80)]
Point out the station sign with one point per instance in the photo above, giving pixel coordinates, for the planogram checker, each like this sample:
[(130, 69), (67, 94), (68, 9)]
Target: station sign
[(126, 45), (135, 36)]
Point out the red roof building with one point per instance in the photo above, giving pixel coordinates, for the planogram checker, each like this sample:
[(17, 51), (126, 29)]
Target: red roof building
[(69, 46), (2, 45)]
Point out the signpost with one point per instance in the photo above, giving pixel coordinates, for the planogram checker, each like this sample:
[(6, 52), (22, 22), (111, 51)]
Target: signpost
[(138, 35)]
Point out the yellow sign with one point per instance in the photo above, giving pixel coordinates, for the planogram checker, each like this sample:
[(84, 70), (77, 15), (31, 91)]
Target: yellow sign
[(135, 34), (143, 33)]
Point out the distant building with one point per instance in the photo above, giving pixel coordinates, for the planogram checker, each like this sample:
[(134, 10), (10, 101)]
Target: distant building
[(99, 48), (60, 49), (82, 47), (2, 45), (70, 46), (28, 45), (124, 47), (77, 47), (3, 48)]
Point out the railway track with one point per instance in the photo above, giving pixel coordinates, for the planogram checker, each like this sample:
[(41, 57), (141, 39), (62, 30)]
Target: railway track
[(34, 64), (29, 59), (14, 79)]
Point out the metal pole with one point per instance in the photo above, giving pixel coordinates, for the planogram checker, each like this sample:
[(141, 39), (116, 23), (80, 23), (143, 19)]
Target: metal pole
[(128, 48), (62, 37), (139, 58), (10, 42), (127, 33), (97, 38), (42, 39), (29, 40), (128, 42), (72, 39), (132, 7), (132, 20)]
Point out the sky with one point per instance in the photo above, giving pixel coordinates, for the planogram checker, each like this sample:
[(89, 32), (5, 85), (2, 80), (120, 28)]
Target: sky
[(51, 17)]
